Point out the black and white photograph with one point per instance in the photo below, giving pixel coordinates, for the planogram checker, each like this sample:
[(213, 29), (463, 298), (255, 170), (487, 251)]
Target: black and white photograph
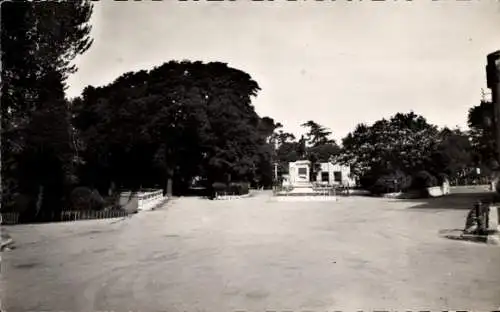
[(250, 156)]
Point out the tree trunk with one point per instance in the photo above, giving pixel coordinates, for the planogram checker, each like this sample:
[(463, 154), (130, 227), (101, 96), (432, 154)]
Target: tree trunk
[(39, 200), (169, 185)]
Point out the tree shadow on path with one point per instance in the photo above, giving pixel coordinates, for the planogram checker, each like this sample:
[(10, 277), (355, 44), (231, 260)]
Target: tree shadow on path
[(455, 201)]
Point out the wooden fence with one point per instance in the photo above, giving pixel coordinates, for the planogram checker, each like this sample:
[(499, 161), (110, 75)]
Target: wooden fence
[(11, 218), (90, 214)]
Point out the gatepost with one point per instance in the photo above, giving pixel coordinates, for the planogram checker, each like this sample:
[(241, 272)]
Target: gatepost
[(493, 83)]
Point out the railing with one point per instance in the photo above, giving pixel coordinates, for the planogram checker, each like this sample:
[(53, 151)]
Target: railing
[(133, 202), (148, 200)]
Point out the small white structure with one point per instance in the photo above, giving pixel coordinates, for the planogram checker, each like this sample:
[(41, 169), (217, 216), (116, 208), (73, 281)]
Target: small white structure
[(329, 174), (335, 174), (141, 201), (299, 171)]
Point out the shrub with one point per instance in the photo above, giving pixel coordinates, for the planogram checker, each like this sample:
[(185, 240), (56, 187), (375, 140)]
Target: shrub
[(234, 188), (219, 188), (383, 185), (367, 182), (96, 201), (243, 188), (83, 198), (391, 182), (424, 179), (23, 203)]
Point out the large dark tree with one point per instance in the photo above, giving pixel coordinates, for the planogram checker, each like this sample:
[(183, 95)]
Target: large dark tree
[(320, 148), (39, 41), (173, 123), (480, 122), (316, 134), (404, 142), (452, 154)]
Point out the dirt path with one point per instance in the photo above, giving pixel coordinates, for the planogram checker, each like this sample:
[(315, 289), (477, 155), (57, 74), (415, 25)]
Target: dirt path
[(254, 255)]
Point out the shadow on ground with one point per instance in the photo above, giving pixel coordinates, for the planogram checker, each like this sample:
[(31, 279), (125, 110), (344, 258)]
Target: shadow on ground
[(459, 201), (460, 235)]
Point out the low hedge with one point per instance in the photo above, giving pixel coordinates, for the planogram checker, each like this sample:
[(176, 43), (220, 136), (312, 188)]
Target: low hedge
[(389, 183), (424, 179), (234, 188), (83, 198), (402, 182)]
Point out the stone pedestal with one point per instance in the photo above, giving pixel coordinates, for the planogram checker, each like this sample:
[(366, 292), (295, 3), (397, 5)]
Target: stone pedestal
[(299, 172)]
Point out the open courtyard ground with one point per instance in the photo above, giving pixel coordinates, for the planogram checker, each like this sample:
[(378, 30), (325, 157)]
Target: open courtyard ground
[(257, 255)]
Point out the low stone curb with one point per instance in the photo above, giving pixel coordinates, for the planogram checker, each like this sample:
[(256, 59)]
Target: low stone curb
[(229, 197), (304, 198), (161, 204), (393, 195)]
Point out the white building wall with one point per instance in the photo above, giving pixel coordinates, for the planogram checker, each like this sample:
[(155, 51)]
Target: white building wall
[(331, 169), (325, 167)]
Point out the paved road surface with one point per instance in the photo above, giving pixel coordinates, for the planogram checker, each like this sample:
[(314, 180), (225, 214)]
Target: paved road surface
[(255, 255)]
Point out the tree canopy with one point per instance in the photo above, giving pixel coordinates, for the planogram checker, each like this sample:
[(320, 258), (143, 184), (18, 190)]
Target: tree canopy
[(480, 122), (400, 143), (192, 118), (39, 42)]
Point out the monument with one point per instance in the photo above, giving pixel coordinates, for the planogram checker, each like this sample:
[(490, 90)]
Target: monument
[(297, 180), (327, 174), (297, 183)]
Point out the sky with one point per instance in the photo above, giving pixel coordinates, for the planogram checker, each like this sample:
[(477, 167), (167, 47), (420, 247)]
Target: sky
[(338, 63)]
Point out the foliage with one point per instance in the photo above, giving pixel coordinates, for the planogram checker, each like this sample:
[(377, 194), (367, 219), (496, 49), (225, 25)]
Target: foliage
[(403, 142), (423, 179), (408, 144), (240, 188), (389, 182), (39, 41), (323, 153), (172, 123), (317, 134), (233, 188), (83, 198), (480, 121), (452, 153), (317, 147)]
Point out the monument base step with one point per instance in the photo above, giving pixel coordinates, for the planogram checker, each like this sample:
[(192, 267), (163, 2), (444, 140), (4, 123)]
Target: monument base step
[(304, 197)]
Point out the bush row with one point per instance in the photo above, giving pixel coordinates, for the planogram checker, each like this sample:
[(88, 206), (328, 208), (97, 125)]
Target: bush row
[(401, 182), (234, 188)]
